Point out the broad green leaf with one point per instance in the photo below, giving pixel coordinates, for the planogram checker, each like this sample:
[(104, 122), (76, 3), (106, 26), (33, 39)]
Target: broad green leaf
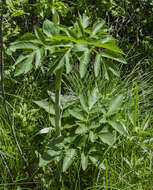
[(110, 46), (48, 156), (117, 126), (115, 104), (92, 136), (27, 36), (69, 139), (50, 29), (56, 143), (46, 106), (93, 96), (24, 66), (56, 18), (103, 119), (60, 38), (54, 65), (105, 129), (97, 65), (94, 124), (105, 39), (22, 45), (106, 75), (96, 160), (54, 153), (85, 21), (80, 47), (93, 149), (81, 26), (72, 33), (107, 138), (52, 121), (112, 68), (96, 27), (44, 160), (37, 58), (84, 161), (77, 114), (131, 117), (45, 130), (80, 141), (20, 59), (112, 55), (39, 34), (84, 63), (81, 129), (67, 61), (67, 101), (60, 64), (68, 159), (83, 101)]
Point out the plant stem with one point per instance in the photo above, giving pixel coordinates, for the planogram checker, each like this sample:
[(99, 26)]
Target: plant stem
[(57, 112), (57, 101)]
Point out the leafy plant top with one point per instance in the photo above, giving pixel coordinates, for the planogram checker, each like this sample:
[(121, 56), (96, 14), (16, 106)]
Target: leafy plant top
[(67, 46)]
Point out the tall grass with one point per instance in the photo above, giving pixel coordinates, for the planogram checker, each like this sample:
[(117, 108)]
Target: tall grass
[(129, 163)]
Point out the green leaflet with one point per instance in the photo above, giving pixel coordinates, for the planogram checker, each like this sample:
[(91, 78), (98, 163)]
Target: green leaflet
[(37, 58), (92, 137), (22, 45), (96, 27), (115, 104), (81, 26), (96, 160), (60, 64), (117, 126), (45, 130), (55, 18), (49, 156), (83, 101), (105, 71), (112, 67), (81, 129), (84, 60), (105, 39), (112, 55), (110, 46), (68, 159), (84, 161), (39, 34), (97, 64), (80, 47), (67, 61), (49, 28), (107, 138), (80, 141), (25, 65), (85, 21), (46, 106), (20, 59), (27, 36), (93, 97), (76, 113), (72, 33)]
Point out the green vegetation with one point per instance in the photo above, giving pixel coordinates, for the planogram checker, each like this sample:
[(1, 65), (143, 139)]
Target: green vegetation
[(76, 95)]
